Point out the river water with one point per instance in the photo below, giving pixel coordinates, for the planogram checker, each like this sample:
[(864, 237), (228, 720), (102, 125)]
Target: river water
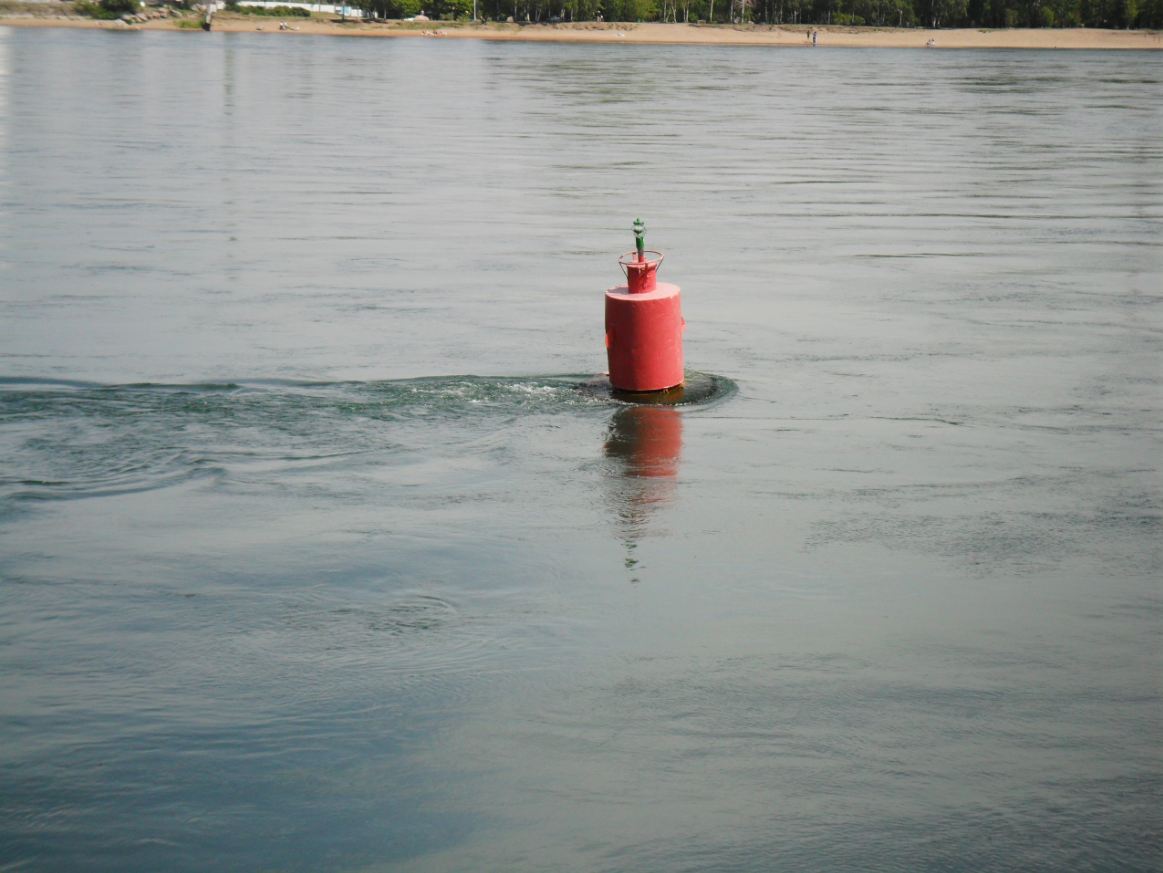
[(313, 556)]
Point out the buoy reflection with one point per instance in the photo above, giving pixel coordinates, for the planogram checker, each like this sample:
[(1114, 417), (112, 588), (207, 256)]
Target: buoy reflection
[(644, 444)]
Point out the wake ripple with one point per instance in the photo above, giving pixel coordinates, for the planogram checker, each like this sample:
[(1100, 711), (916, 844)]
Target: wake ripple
[(67, 439)]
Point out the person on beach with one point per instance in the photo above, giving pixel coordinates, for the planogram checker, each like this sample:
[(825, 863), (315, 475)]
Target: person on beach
[(815, 34)]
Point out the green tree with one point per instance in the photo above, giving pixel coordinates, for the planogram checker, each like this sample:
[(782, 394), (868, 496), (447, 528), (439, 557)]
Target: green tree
[(449, 9), (1126, 12), (389, 8), (107, 9), (1151, 14), (942, 13)]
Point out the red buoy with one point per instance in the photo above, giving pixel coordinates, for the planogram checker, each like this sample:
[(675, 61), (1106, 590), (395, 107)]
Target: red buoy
[(644, 325)]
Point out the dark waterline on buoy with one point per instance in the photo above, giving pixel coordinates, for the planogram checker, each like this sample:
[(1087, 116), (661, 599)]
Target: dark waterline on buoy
[(696, 389)]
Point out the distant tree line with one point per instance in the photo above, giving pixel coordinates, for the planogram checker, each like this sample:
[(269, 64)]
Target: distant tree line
[(105, 9), (878, 13)]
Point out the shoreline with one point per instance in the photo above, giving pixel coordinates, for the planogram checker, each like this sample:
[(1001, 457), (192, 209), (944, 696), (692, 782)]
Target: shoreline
[(651, 33)]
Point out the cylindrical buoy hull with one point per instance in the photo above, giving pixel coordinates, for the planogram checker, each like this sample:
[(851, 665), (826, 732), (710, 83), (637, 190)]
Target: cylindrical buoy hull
[(644, 338)]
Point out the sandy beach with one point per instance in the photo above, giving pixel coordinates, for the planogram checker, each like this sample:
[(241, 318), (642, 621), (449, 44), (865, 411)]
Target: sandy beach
[(651, 33)]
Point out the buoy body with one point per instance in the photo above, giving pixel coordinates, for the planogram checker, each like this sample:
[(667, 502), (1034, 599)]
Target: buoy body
[(644, 337)]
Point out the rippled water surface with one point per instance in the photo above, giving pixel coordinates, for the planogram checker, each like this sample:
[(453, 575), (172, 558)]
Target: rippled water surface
[(284, 587)]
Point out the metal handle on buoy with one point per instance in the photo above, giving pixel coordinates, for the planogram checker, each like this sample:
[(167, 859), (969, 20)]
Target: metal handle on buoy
[(640, 269)]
